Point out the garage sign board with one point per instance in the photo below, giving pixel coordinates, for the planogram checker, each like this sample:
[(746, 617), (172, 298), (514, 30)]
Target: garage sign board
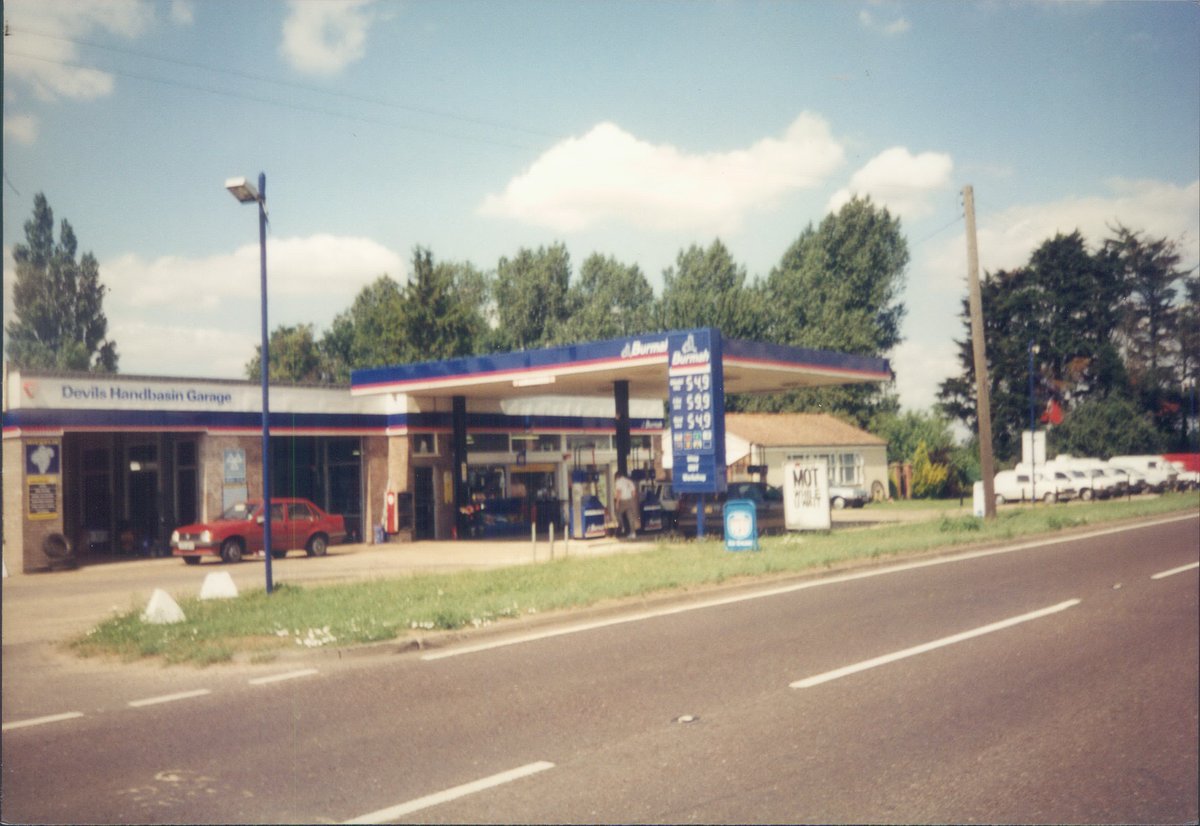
[(806, 495)]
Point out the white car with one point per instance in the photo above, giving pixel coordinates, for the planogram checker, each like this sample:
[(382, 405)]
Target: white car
[(1018, 486), (1160, 474)]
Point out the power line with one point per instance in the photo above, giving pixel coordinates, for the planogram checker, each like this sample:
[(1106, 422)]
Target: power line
[(274, 102)]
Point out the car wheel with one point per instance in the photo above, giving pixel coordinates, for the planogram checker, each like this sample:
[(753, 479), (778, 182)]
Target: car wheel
[(839, 502), (1049, 498), (278, 554), (191, 560), (318, 545), (1086, 494), (231, 550)]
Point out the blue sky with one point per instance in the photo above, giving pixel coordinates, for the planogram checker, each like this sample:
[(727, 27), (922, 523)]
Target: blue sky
[(633, 129)]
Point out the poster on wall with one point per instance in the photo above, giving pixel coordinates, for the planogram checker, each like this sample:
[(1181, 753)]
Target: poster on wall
[(806, 495), (696, 411), (42, 469)]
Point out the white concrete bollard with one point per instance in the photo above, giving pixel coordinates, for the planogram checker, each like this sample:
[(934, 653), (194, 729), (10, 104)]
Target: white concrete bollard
[(162, 609), (218, 585)]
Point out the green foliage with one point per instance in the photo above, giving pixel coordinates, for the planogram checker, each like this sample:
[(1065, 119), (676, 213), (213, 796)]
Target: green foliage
[(609, 300), (532, 297), (295, 356), (59, 321), (1105, 324), (1112, 426), (838, 287), (928, 477), (707, 288)]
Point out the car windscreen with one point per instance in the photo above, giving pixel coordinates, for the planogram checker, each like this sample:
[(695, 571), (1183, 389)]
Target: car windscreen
[(239, 511)]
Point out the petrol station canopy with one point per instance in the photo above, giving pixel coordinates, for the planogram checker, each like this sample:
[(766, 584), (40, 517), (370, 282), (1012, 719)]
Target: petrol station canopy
[(591, 369)]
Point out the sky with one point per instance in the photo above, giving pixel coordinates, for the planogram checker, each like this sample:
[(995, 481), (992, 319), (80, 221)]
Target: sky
[(476, 128)]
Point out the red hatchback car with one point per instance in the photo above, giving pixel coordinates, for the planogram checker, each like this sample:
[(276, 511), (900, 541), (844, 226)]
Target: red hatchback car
[(295, 523)]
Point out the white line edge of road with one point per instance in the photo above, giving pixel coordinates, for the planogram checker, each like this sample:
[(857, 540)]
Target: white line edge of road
[(1181, 569), (39, 721), (394, 812), (640, 616), (169, 698), (290, 675), (885, 659)]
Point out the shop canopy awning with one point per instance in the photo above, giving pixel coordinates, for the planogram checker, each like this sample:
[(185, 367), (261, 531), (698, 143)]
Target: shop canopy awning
[(591, 369)]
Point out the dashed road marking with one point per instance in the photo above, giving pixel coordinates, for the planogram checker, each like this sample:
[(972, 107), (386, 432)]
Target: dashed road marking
[(40, 721), (838, 673), (290, 675), (390, 814), (1173, 571), (169, 698)]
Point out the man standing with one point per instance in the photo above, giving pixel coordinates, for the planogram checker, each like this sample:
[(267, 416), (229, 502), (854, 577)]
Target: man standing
[(625, 500)]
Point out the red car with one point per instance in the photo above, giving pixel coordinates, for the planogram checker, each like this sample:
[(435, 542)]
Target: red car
[(295, 523)]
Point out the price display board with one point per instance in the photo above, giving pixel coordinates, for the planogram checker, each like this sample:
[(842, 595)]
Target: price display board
[(696, 404)]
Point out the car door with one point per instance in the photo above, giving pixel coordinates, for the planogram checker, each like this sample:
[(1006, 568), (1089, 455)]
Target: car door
[(301, 521)]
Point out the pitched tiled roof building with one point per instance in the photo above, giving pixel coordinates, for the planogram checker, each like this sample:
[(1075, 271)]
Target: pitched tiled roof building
[(855, 457)]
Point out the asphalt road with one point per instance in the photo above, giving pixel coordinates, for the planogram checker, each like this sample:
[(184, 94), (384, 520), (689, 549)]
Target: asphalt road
[(1050, 682)]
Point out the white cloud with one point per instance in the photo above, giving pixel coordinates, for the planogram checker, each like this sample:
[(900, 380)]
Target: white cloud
[(1007, 238), (610, 175), (324, 37), (60, 22), (23, 128), (900, 25), (182, 13), (901, 181), (920, 368), (324, 267)]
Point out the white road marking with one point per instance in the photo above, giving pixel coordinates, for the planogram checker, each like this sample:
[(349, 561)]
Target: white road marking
[(38, 721), (809, 682), (290, 675), (1173, 571), (388, 815), (169, 698), (548, 633)]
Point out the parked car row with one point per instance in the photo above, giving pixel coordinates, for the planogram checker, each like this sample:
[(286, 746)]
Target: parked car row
[(1072, 477)]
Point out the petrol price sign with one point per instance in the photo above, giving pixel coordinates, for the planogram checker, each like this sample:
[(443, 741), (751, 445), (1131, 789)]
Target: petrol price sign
[(696, 400)]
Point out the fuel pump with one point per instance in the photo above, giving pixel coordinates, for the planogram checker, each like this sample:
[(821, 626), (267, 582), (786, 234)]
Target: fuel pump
[(587, 511)]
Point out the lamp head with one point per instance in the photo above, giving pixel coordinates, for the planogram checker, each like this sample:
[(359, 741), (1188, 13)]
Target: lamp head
[(243, 190)]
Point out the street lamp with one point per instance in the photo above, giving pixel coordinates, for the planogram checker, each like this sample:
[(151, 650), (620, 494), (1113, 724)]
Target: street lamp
[(245, 192)]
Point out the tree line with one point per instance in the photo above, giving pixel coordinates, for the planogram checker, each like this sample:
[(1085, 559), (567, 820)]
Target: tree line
[(838, 286), (1103, 344)]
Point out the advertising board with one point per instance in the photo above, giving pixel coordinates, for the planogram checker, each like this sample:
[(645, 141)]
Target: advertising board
[(696, 410), (806, 495)]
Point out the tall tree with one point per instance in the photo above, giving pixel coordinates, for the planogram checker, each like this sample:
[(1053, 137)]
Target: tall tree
[(59, 320), (442, 314), (707, 288), (610, 299), (531, 297), (1064, 304), (368, 334), (839, 287), (295, 356)]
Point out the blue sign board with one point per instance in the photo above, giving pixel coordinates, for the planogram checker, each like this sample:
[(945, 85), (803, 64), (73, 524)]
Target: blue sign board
[(696, 410), (741, 525)]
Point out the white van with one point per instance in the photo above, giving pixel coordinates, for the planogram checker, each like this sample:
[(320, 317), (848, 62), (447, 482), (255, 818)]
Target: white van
[(1104, 483), (1018, 486), (1160, 474)]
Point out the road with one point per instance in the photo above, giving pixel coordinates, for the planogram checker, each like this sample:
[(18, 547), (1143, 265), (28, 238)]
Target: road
[(1052, 681)]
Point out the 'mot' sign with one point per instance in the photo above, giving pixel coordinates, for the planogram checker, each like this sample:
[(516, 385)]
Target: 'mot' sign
[(806, 495)]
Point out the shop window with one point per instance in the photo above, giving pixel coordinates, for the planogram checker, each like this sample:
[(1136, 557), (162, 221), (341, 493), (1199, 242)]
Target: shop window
[(589, 441), (487, 443), (425, 444)]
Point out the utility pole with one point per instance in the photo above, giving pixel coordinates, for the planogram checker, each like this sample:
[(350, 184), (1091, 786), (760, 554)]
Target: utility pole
[(983, 401)]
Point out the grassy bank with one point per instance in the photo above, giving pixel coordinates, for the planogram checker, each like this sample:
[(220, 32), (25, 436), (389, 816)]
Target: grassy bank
[(259, 626)]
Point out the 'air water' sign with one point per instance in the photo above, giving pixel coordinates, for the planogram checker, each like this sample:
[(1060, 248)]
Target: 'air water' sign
[(806, 495)]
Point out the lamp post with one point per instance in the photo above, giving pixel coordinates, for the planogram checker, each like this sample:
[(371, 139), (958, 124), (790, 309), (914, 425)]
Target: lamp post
[(245, 192)]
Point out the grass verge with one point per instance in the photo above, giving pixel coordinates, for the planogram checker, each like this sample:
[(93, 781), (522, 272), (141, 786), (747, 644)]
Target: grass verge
[(257, 627)]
